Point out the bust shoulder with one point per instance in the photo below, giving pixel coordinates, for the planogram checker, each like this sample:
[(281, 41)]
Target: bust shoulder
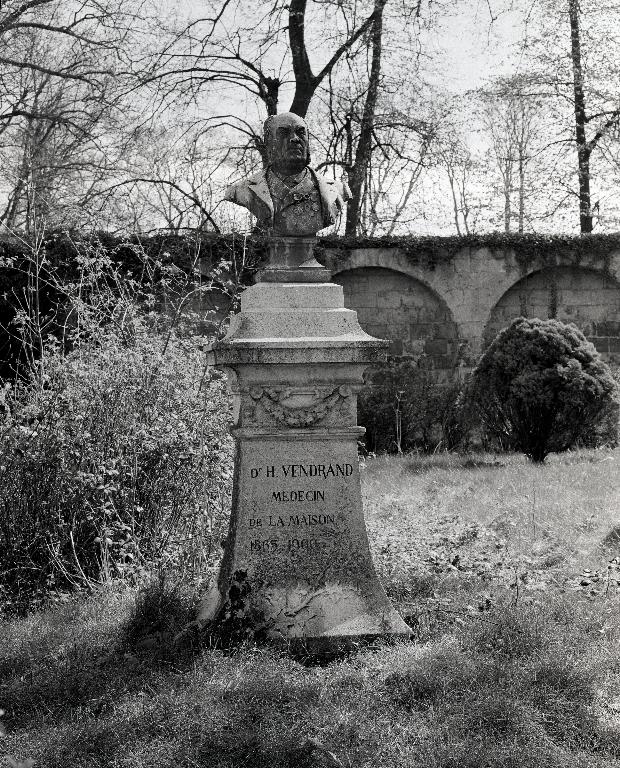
[(240, 191), (335, 193)]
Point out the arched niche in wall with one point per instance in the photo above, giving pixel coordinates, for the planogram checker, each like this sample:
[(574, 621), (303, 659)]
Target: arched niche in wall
[(392, 305), (572, 294)]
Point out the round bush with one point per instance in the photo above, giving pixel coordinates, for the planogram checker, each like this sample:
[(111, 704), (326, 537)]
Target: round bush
[(542, 387)]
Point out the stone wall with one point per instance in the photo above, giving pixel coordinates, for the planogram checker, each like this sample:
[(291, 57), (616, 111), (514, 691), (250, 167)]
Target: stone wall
[(589, 299), (443, 312), (395, 306)]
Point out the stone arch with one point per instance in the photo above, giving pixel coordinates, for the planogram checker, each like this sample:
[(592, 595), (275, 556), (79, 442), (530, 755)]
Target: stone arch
[(393, 305), (586, 297)]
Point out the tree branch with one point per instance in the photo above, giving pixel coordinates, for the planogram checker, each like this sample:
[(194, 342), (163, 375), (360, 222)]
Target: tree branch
[(613, 120), (172, 184), (346, 46), (63, 73)]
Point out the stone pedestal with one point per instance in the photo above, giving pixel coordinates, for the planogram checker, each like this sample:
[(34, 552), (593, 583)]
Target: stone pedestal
[(291, 259), (296, 561)]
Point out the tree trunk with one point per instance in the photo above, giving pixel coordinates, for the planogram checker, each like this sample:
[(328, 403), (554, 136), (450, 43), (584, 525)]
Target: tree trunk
[(583, 149), (304, 79), (357, 173), (455, 205), (306, 82), (521, 190), (507, 191), (269, 89)]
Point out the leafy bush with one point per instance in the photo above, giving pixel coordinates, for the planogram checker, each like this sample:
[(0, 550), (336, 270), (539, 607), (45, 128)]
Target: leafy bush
[(115, 454), (604, 431), (114, 457), (404, 407), (541, 386), (162, 623)]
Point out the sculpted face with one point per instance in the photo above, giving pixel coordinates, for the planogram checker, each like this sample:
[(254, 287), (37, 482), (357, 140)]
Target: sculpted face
[(286, 138)]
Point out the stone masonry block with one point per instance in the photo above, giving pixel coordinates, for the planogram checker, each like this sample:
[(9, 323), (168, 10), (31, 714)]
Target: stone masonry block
[(607, 328), (384, 316), (420, 330), (445, 331), (362, 299), (389, 299), (436, 347), (601, 343)]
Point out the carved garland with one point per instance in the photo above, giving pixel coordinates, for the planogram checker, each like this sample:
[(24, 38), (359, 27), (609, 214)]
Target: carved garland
[(302, 416)]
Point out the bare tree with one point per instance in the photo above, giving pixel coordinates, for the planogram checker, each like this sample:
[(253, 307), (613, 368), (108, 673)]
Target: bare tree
[(603, 120), (508, 113), (359, 167), (272, 49), (69, 111), (456, 160), (94, 31), (174, 180), (306, 82), (255, 58), (577, 70), (52, 153)]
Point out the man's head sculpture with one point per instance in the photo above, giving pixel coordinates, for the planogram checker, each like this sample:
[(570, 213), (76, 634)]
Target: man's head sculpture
[(286, 142)]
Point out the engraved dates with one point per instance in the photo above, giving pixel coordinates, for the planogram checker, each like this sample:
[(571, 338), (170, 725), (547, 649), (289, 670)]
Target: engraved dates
[(265, 546)]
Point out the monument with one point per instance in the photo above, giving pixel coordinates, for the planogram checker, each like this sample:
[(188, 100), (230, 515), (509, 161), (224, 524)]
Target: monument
[(296, 562)]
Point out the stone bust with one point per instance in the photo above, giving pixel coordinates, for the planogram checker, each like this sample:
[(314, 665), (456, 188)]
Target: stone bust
[(288, 197)]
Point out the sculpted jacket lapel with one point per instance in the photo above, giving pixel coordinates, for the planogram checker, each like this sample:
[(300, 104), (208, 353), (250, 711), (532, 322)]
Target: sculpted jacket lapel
[(258, 187), (330, 197)]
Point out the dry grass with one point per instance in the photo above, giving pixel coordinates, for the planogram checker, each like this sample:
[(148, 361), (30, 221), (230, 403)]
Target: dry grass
[(498, 677), (483, 524)]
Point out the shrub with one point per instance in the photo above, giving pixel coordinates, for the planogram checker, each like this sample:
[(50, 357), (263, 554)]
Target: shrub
[(604, 431), (162, 614), (404, 407), (541, 386), (114, 454), (114, 457)]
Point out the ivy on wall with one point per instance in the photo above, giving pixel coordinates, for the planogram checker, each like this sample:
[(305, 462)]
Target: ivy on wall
[(241, 253), (37, 278), (62, 249), (223, 261), (545, 250)]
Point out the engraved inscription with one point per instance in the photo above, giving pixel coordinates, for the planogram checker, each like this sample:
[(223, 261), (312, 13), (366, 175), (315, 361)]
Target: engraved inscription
[(284, 521), (298, 496), (264, 545), (290, 545), (286, 488), (294, 471)]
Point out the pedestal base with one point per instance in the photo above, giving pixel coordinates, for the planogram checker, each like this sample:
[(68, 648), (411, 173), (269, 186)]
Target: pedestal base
[(291, 260), (297, 565), (297, 561)]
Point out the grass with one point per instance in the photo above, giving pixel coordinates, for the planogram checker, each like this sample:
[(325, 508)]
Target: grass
[(466, 528), (515, 661)]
